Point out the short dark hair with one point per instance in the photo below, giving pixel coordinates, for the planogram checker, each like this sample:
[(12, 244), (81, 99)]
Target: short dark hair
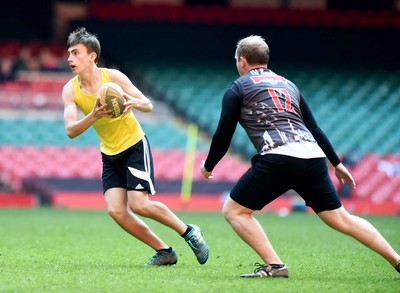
[(254, 49), (81, 36)]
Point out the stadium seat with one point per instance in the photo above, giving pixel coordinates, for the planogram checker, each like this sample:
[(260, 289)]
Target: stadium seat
[(386, 191), (366, 188)]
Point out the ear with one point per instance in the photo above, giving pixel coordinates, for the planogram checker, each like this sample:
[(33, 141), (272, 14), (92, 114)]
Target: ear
[(93, 56), (242, 61)]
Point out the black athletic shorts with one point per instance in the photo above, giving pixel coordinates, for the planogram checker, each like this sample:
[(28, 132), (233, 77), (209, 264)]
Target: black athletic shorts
[(272, 175), (131, 169)]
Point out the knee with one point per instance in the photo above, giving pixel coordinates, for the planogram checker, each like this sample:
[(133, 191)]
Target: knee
[(117, 213), (232, 210), (342, 222), (228, 213), (140, 208)]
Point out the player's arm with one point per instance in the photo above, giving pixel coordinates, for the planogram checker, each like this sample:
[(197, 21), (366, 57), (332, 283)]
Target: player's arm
[(73, 126), (340, 170), (134, 97), (222, 137)]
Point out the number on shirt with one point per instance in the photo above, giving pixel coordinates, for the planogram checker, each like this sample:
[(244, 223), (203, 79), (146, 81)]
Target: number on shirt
[(275, 94)]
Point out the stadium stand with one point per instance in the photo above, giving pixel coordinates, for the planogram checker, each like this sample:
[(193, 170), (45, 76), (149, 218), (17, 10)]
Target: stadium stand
[(189, 75), (31, 145)]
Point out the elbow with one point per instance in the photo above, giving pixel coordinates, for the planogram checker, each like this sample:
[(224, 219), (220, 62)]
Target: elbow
[(70, 134), (147, 108)]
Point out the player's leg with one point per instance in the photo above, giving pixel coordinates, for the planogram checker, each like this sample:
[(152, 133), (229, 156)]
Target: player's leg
[(139, 182), (266, 180), (361, 230), (118, 210), (140, 204), (320, 194), (257, 187), (115, 186), (140, 178), (249, 230)]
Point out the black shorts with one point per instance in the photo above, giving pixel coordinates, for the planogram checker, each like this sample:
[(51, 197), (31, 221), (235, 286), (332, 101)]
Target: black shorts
[(131, 169), (272, 175)]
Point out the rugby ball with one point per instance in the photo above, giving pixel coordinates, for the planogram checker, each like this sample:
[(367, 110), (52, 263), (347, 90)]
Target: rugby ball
[(112, 94)]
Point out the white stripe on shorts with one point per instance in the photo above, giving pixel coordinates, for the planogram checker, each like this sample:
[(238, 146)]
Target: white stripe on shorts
[(144, 175)]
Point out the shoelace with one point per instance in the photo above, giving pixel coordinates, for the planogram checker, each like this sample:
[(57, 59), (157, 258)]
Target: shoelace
[(259, 267)]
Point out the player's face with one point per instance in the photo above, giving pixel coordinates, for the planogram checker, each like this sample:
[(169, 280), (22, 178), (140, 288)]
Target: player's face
[(79, 59)]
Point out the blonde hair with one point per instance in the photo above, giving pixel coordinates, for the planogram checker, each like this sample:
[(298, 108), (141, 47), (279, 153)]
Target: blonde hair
[(254, 49)]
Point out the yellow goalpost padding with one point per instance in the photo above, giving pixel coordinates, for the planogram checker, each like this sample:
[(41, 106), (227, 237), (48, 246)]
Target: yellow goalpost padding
[(190, 155)]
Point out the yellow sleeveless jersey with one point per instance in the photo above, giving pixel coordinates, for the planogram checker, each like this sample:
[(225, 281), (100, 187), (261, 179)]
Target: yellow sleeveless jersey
[(115, 134)]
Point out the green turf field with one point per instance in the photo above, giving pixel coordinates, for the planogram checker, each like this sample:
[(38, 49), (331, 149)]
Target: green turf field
[(48, 250)]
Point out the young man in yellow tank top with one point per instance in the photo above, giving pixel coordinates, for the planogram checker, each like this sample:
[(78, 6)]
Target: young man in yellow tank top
[(127, 162)]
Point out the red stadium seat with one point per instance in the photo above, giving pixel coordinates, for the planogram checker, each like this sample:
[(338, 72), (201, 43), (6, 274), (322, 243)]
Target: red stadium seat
[(366, 188), (366, 165), (386, 191)]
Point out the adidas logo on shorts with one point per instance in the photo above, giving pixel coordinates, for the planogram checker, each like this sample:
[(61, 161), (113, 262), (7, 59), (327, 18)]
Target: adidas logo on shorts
[(139, 186)]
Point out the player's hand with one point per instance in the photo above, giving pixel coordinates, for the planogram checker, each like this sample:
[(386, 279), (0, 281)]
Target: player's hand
[(344, 176), (100, 110), (206, 174), (130, 102), (142, 104)]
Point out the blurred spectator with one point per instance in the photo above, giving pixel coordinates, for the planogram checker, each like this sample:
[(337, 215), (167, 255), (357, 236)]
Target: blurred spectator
[(44, 60), (27, 61), (7, 71), (48, 61)]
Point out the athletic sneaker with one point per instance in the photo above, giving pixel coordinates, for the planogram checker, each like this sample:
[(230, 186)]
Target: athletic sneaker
[(268, 271), (163, 258), (398, 266), (197, 244)]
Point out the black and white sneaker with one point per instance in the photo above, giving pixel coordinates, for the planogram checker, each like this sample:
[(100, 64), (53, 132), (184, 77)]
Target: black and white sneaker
[(268, 271)]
